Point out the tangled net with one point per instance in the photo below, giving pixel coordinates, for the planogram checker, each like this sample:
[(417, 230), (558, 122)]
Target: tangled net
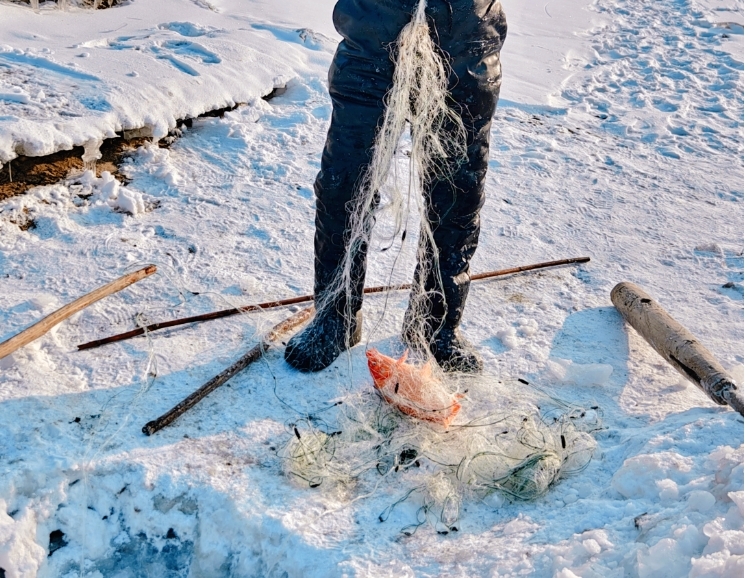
[(518, 452), (419, 99)]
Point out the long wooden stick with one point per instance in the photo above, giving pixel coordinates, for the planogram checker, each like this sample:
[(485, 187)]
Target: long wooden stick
[(676, 344), (41, 327), (253, 355), (305, 299)]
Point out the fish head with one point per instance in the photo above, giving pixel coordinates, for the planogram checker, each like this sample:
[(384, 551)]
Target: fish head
[(381, 366)]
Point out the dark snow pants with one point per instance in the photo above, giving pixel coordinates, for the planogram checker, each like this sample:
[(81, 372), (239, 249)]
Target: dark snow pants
[(470, 33)]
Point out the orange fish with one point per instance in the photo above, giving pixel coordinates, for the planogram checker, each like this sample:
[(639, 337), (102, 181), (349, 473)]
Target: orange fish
[(413, 390)]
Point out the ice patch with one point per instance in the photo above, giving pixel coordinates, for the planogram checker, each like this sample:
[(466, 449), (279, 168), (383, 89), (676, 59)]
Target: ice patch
[(711, 248), (523, 329), (184, 68), (697, 534)]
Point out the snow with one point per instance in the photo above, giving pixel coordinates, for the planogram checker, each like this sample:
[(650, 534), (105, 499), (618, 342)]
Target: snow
[(20, 555), (618, 136), (133, 67)]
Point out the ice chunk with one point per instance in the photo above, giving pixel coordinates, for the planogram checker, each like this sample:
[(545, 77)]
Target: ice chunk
[(527, 327), (17, 95), (690, 540), (663, 560), (637, 476), (109, 191), (130, 201), (701, 501), (20, 555), (668, 490), (737, 498), (721, 539), (727, 463), (508, 337), (565, 573), (43, 303), (108, 186), (592, 547), (721, 564), (91, 153), (584, 375)]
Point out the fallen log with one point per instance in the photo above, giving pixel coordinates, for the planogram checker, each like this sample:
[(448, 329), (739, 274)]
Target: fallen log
[(304, 299), (676, 344), (41, 327), (253, 355)]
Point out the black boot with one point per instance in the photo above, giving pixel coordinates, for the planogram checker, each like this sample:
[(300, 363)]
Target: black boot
[(326, 337), (454, 353), (431, 325), (337, 325)]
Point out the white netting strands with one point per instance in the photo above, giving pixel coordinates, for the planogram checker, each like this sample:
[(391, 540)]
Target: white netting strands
[(426, 429), (518, 452), (418, 98)]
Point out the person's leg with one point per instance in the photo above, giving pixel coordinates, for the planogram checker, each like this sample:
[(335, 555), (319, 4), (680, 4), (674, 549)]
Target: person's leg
[(472, 35), (359, 78)]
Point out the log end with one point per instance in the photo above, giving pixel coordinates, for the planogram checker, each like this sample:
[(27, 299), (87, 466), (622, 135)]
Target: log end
[(724, 391), (734, 400), (626, 293)]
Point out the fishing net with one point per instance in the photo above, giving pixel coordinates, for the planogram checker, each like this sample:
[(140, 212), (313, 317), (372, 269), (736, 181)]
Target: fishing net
[(518, 452), (418, 100), (409, 426)]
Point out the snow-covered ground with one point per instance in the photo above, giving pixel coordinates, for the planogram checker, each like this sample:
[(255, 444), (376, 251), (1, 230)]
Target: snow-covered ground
[(619, 136)]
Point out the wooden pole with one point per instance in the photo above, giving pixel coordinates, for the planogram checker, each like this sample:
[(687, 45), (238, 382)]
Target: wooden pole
[(304, 299), (41, 327), (676, 344), (253, 355)]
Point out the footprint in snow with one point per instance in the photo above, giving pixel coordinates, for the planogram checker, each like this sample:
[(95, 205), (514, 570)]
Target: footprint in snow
[(305, 36), (190, 29), (179, 52)]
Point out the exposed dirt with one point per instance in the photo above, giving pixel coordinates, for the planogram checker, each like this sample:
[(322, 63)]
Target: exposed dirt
[(23, 173), (83, 3)]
